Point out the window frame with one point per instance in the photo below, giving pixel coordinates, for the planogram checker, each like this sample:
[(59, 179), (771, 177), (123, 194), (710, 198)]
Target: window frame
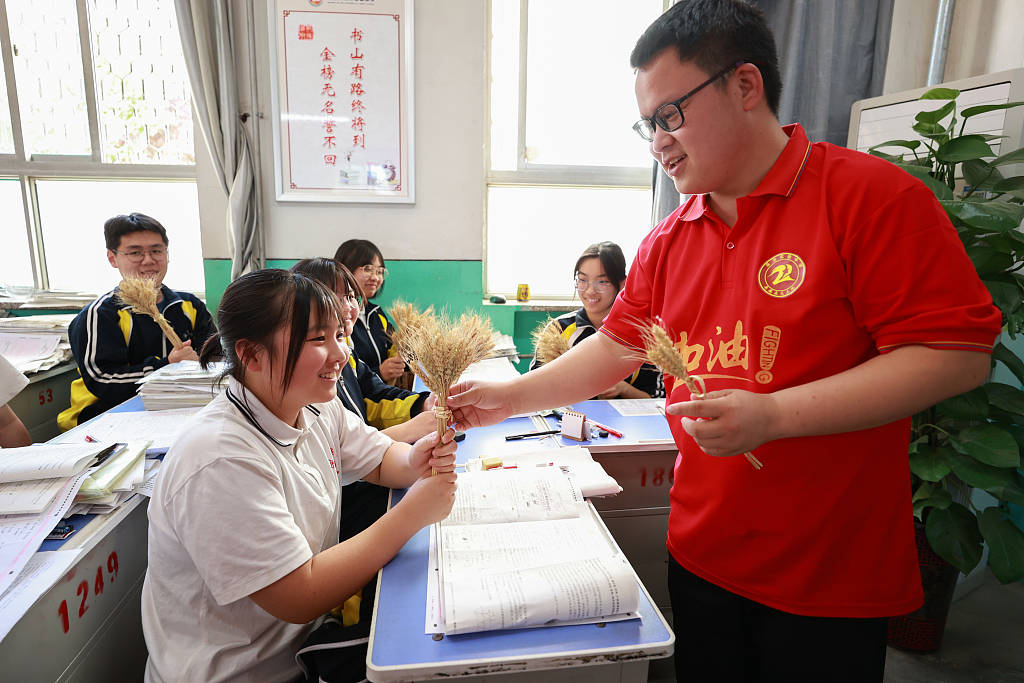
[(530, 174), (28, 170)]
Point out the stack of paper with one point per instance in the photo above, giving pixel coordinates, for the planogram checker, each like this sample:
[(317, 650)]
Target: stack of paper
[(505, 347), (32, 476), (490, 369), (114, 481), (55, 299), (181, 385), (34, 352), (575, 461), (40, 486)]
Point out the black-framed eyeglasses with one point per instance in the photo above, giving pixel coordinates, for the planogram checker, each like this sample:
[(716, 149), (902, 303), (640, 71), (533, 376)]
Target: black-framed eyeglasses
[(669, 116)]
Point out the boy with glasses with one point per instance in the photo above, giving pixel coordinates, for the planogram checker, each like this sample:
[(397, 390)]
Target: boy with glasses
[(824, 297), (115, 347)]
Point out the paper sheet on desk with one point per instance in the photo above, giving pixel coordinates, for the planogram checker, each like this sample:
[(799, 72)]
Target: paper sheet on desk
[(40, 573), (21, 535), (30, 352), (159, 427), (636, 407)]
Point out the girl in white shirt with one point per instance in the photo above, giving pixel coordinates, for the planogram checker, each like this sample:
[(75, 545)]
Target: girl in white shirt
[(243, 524)]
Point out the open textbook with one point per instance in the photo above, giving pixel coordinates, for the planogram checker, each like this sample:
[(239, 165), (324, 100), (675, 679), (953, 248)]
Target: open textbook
[(521, 548)]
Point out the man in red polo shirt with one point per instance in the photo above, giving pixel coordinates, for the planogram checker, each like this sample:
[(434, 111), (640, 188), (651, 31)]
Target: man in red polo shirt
[(824, 297)]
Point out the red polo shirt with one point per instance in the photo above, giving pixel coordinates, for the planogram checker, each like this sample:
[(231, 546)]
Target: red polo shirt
[(836, 257)]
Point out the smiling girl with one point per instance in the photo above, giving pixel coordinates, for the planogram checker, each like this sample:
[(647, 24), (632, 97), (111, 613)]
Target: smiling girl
[(243, 524), (598, 276), (372, 334)]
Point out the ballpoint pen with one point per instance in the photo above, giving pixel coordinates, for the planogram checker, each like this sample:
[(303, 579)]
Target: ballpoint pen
[(527, 435)]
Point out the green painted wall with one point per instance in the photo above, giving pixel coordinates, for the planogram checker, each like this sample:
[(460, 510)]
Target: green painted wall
[(455, 286)]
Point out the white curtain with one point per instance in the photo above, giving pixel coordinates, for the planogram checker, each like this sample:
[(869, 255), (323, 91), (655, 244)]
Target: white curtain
[(207, 40)]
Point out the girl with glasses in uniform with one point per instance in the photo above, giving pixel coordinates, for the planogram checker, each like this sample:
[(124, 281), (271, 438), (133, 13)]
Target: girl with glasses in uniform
[(599, 274), (371, 337)]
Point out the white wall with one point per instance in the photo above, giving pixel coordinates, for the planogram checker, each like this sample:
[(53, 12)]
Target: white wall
[(446, 222), (985, 37)]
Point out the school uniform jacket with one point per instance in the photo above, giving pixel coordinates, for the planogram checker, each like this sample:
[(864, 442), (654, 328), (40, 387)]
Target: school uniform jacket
[(371, 337), (115, 347), (381, 405), (576, 327)]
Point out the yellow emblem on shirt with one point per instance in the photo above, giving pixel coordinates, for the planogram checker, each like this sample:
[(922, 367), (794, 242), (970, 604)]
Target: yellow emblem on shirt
[(782, 274)]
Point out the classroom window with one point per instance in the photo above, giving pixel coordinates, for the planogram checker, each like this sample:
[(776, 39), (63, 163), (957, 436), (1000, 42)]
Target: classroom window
[(566, 169), (104, 126), (15, 258)]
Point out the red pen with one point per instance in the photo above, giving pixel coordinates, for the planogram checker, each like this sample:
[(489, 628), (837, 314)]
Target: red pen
[(611, 431), (91, 439)]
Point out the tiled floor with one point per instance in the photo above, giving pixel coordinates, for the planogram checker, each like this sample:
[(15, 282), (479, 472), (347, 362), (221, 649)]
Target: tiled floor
[(983, 643)]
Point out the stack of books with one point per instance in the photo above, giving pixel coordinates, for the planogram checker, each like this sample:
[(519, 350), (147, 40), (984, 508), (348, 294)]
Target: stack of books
[(181, 385)]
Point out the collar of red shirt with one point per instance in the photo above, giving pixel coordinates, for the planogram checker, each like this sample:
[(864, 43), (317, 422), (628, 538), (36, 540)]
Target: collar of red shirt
[(781, 178)]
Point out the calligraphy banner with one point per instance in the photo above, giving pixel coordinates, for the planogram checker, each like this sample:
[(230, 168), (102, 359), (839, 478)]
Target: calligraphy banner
[(342, 100)]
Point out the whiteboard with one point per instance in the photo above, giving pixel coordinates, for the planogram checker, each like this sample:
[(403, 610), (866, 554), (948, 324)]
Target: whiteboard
[(342, 100), (891, 117)]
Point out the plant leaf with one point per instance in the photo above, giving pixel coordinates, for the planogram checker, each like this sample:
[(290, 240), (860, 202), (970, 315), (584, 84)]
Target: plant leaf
[(931, 464), (1005, 545), (982, 108), (963, 148), (940, 94), (1009, 398), (935, 115), (995, 216), (1009, 184), (988, 443), (1008, 358), (1014, 157), (928, 496), (1005, 295), (923, 173), (980, 475), (931, 130), (954, 536), (980, 174), (988, 261), (908, 144), (970, 405)]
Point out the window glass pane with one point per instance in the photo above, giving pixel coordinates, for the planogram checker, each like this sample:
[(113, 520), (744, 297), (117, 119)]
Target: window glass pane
[(142, 88), (535, 234), (72, 213), (6, 133), (584, 69), (504, 83), (15, 260), (48, 70)]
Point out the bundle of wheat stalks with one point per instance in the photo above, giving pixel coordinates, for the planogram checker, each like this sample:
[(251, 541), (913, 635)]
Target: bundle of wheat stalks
[(663, 353), (548, 342), (141, 294), (439, 349), (406, 317)]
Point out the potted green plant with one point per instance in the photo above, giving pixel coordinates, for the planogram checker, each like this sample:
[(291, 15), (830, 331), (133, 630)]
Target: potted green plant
[(972, 441)]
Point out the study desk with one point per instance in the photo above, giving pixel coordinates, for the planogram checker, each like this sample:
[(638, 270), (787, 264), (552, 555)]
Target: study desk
[(88, 626), (642, 461), (48, 392), (399, 650)]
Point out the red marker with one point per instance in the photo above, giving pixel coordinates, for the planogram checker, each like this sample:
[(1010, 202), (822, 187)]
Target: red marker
[(611, 431)]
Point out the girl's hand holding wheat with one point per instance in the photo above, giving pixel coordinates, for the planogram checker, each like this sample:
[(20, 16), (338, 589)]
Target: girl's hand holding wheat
[(427, 453), (728, 422)]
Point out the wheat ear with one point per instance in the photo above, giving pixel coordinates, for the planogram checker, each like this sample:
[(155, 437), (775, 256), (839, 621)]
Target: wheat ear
[(548, 342), (661, 351), (141, 294)]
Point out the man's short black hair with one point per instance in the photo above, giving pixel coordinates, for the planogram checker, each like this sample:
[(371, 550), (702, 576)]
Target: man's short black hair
[(117, 227), (714, 34)]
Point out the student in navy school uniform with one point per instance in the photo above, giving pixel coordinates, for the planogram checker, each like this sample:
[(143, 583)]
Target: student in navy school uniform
[(598, 275), (114, 347), (243, 524), (371, 337)]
